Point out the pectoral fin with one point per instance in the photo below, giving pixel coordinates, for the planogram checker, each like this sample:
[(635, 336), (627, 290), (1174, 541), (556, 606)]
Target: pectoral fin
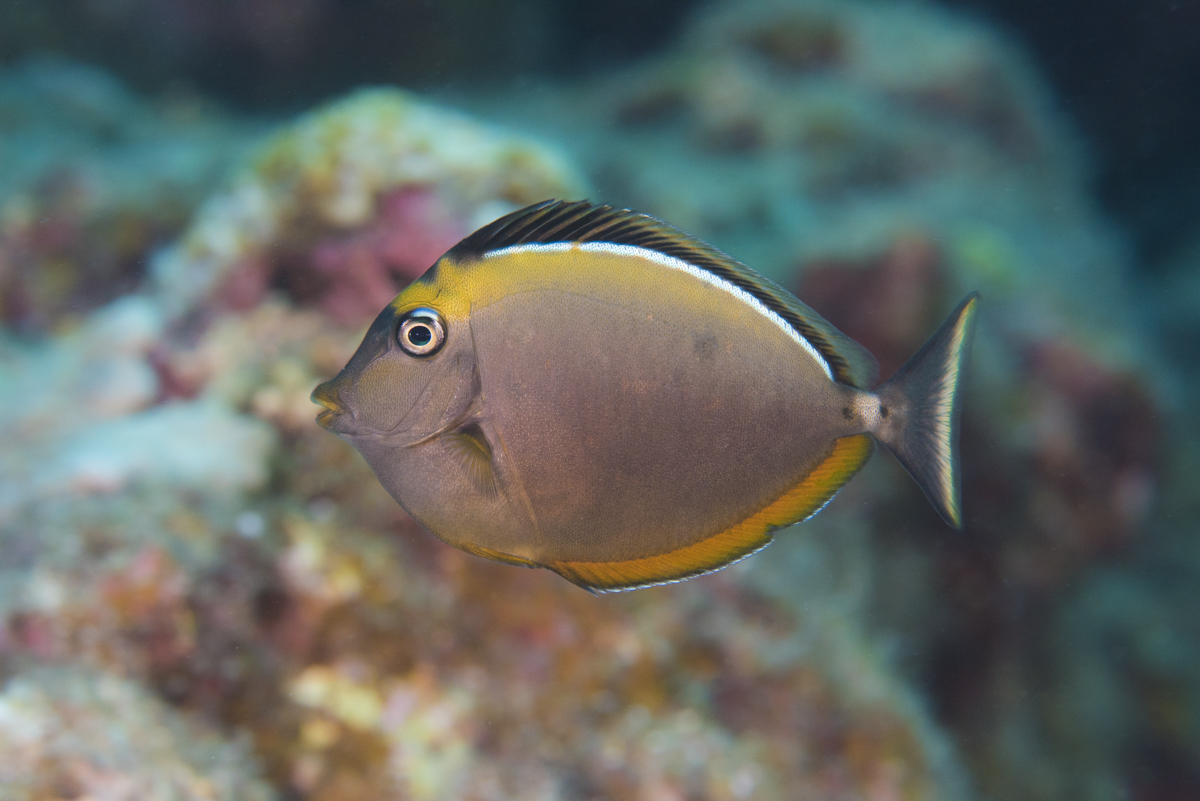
[(469, 445), (498, 556)]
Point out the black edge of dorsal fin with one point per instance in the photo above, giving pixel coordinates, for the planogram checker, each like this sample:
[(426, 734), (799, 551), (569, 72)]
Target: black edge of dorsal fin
[(555, 221), (516, 228)]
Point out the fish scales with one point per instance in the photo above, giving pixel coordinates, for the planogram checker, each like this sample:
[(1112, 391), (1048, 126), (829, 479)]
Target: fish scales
[(627, 407), (654, 416)]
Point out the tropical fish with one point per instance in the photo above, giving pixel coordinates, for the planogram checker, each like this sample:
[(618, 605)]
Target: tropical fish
[(590, 390)]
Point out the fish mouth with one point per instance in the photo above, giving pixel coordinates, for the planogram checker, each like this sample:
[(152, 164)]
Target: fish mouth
[(326, 396)]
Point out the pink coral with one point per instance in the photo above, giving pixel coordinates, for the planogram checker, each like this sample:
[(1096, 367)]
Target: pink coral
[(889, 305), (362, 272)]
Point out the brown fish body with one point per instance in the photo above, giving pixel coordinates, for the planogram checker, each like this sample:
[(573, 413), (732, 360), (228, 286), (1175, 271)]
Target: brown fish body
[(612, 411)]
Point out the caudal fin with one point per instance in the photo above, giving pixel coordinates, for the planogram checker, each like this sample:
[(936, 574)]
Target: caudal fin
[(919, 412)]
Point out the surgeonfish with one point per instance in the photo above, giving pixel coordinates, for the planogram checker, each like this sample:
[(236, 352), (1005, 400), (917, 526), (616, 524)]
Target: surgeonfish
[(590, 390)]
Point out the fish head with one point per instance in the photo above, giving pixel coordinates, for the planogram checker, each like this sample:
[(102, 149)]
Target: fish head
[(403, 381)]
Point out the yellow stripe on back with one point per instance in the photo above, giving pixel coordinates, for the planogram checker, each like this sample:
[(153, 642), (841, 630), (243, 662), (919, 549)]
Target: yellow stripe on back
[(720, 550)]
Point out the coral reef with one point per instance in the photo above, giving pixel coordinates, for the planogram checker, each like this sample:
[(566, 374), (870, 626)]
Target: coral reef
[(114, 434), (92, 180), (366, 191), (367, 660), (80, 734), (882, 160), (790, 133), (178, 537), (494, 683), (190, 529), (1070, 470)]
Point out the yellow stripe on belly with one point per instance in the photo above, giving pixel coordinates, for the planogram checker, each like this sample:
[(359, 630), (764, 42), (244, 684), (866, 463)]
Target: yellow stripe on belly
[(800, 502)]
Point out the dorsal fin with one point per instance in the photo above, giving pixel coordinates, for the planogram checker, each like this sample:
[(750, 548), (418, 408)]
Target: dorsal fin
[(556, 221)]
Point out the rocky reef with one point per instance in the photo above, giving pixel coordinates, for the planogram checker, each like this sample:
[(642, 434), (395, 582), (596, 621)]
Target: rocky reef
[(92, 180), (183, 551), (883, 160), (70, 733), (352, 202)]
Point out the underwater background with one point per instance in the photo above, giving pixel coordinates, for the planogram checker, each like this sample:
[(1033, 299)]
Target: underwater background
[(205, 596)]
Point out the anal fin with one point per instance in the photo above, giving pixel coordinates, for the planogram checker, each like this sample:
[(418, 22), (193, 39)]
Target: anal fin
[(754, 533)]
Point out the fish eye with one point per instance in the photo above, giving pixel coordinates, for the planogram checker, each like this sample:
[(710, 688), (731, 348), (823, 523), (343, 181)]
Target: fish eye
[(421, 332)]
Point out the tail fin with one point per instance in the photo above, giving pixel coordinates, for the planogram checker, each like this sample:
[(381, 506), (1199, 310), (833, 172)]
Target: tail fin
[(919, 412)]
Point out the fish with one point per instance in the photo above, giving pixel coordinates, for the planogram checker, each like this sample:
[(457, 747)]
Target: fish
[(587, 389)]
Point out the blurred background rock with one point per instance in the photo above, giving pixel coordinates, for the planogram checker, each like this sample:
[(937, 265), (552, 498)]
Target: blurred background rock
[(201, 207), (1122, 70)]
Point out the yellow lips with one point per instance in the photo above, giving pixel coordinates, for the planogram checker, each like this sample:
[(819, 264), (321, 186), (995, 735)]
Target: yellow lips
[(325, 396)]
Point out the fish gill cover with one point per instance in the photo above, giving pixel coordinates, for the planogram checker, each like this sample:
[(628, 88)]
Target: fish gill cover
[(181, 541)]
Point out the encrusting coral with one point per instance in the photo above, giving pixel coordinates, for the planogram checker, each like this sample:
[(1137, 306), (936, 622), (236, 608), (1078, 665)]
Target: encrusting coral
[(881, 160), (187, 527), (207, 540), (416, 177), (71, 733), (93, 179)]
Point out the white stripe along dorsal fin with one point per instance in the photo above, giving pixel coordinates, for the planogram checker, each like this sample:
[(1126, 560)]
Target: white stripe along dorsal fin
[(673, 263), (559, 222)]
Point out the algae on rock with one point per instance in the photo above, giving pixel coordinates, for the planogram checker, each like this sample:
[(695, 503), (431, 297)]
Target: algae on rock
[(332, 171), (72, 733)]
